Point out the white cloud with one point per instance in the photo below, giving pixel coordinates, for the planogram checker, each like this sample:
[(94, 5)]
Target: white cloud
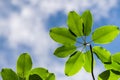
[(99, 8), (28, 27)]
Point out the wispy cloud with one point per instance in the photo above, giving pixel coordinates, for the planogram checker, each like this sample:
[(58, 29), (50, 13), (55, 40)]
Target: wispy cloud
[(24, 23)]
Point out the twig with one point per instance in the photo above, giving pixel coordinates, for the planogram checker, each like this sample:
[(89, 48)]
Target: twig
[(92, 62)]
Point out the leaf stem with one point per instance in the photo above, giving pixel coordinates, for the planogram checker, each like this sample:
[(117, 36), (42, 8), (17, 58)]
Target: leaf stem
[(79, 42), (90, 41), (92, 62), (83, 38)]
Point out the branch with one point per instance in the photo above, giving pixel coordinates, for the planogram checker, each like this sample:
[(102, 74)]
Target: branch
[(92, 62)]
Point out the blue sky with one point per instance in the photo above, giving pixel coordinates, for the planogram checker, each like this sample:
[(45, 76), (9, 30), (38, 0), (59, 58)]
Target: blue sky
[(25, 24)]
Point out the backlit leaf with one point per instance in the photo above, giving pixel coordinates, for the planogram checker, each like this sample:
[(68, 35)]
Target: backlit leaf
[(115, 64), (62, 35), (109, 75), (64, 51), (51, 77), (112, 65), (24, 65), (87, 61), (116, 57), (74, 63), (102, 54), (8, 74), (87, 22), (75, 23), (105, 34)]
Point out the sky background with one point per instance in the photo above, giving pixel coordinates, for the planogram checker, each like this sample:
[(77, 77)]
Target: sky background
[(25, 25)]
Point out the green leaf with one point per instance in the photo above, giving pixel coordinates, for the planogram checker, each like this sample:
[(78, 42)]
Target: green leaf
[(51, 77), (112, 65), (64, 51), (21, 78), (104, 75), (35, 77), (42, 72), (74, 23), (109, 75), (74, 63), (115, 72), (87, 22), (87, 61), (8, 74), (115, 62), (116, 57), (105, 34), (24, 65), (102, 54), (62, 35), (114, 75)]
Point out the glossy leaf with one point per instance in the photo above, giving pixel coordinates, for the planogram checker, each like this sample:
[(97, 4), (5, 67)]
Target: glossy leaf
[(8, 74), (105, 34), (62, 35), (74, 63), (51, 77), (102, 54), (24, 65), (109, 75), (64, 51), (75, 23), (87, 22), (87, 61), (42, 72)]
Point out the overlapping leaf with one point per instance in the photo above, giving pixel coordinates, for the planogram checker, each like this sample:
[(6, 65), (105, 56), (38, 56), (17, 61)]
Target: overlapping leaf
[(24, 72), (102, 54), (34, 77), (109, 75), (115, 58), (43, 73)]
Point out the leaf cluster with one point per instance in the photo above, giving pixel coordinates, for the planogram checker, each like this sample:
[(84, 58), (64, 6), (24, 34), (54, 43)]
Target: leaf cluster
[(75, 36), (76, 48), (24, 71)]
